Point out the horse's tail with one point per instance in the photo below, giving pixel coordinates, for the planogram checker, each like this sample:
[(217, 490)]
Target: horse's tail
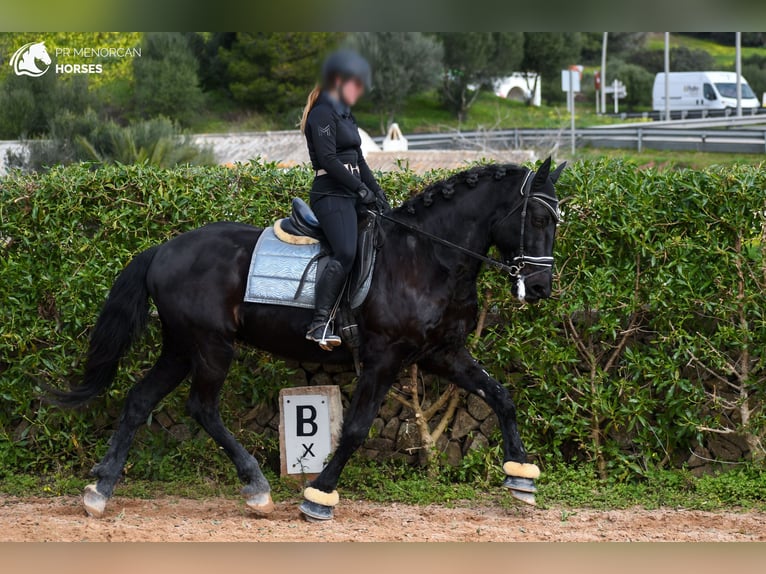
[(121, 320)]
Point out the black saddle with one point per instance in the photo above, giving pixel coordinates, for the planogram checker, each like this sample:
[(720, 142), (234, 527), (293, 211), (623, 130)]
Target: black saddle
[(302, 224), (302, 221)]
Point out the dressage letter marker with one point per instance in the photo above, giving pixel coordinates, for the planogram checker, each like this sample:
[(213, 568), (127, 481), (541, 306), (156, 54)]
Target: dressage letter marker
[(309, 427)]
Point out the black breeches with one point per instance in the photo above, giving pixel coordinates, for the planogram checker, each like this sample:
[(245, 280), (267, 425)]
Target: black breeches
[(339, 222)]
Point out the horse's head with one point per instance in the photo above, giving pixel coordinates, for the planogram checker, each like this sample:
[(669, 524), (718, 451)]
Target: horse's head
[(525, 235), (39, 52), (24, 60)]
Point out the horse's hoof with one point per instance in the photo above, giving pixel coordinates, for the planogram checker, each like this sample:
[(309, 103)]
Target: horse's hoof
[(520, 484), (525, 497), (260, 504), (94, 501), (314, 512)]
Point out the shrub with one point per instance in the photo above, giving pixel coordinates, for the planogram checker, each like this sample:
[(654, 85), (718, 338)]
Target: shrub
[(654, 337), (75, 138), (652, 342)]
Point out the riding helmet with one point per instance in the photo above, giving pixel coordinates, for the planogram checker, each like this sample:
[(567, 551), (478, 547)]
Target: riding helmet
[(347, 64)]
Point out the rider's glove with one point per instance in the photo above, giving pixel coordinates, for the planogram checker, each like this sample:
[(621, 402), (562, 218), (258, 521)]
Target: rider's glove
[(382, 201), (366, 195)]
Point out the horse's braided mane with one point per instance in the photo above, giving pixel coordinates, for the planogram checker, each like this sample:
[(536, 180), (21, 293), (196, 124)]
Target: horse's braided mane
[(465, 179)]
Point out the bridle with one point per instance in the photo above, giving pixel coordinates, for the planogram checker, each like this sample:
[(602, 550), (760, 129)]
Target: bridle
[(515, 266), (522, 260)]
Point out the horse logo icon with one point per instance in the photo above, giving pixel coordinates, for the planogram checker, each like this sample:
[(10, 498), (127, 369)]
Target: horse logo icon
[(25, 60)]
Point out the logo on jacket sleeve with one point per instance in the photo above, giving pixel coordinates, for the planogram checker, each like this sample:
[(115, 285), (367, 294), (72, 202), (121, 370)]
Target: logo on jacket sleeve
[(324, 131)]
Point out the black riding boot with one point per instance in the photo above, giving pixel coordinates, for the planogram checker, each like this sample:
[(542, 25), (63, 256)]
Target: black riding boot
[(328, 288)]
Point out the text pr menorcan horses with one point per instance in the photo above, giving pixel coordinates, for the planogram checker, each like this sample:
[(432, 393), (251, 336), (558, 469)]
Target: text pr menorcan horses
[(421, 307)]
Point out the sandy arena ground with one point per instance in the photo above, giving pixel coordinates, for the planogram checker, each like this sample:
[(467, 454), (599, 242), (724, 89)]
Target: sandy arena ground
[(170, 519)]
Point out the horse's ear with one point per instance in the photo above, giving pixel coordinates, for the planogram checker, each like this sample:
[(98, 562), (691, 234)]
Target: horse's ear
[(557, 172), (542, 174)]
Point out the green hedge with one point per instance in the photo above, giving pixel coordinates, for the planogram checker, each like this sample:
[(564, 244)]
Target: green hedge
[(654, 333)]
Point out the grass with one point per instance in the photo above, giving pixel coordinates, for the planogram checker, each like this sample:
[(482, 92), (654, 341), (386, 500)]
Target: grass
[(561, 486), (221, 114), (723, 55), (672, 159), (422, 113)]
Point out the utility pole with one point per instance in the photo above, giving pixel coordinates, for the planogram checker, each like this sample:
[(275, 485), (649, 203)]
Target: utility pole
[(603, 73), (572, 110), (667, 76), (738, 64)]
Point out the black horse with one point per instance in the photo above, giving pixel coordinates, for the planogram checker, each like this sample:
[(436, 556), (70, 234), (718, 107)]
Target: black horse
[(421, 307)]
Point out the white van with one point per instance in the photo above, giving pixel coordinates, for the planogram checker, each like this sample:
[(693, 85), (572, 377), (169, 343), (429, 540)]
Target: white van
[(702, 91)]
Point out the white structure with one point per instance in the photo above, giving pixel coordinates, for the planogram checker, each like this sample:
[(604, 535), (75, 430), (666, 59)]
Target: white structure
[(519, 87), (368, 144), (394, 140), (702, 91)]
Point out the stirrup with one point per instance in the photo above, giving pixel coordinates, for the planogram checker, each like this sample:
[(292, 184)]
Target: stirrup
[(325, 336)]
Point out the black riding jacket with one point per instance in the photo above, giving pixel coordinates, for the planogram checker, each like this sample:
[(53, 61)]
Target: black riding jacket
[(333, 140)]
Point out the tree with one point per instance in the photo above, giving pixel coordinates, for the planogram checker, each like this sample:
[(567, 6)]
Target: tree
[(547, 53), (165, 76), (206, 47), (618, 43), (273, 71), (28, 106), (473, 59), (403, 64), (638, 83), (754, 69), (728, 38), (682, 59)]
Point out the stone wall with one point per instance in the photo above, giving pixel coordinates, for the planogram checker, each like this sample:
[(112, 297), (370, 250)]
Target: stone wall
[(394, 433)]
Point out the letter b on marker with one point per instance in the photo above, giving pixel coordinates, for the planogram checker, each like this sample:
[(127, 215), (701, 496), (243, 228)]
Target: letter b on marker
[(305, 418)]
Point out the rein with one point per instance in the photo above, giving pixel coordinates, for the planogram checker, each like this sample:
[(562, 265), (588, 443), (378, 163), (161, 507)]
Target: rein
[(521, 260), (447, 243)]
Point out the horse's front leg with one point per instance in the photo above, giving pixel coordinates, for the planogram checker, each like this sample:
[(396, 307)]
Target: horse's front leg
[(376, 378), (462, 369)]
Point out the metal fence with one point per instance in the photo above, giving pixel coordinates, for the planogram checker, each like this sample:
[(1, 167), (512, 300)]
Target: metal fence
[(638, 137)]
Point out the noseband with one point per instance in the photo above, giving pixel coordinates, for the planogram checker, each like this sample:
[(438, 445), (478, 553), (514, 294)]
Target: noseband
[(515, 266)]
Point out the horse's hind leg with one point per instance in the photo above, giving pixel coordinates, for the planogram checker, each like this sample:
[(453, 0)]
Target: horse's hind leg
[(209, 373), (167, 373)]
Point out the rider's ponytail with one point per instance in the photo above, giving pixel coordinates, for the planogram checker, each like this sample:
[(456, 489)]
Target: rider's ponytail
[(310, 101)]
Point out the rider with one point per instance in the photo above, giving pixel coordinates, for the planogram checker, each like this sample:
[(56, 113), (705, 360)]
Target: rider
[(343, 180)]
